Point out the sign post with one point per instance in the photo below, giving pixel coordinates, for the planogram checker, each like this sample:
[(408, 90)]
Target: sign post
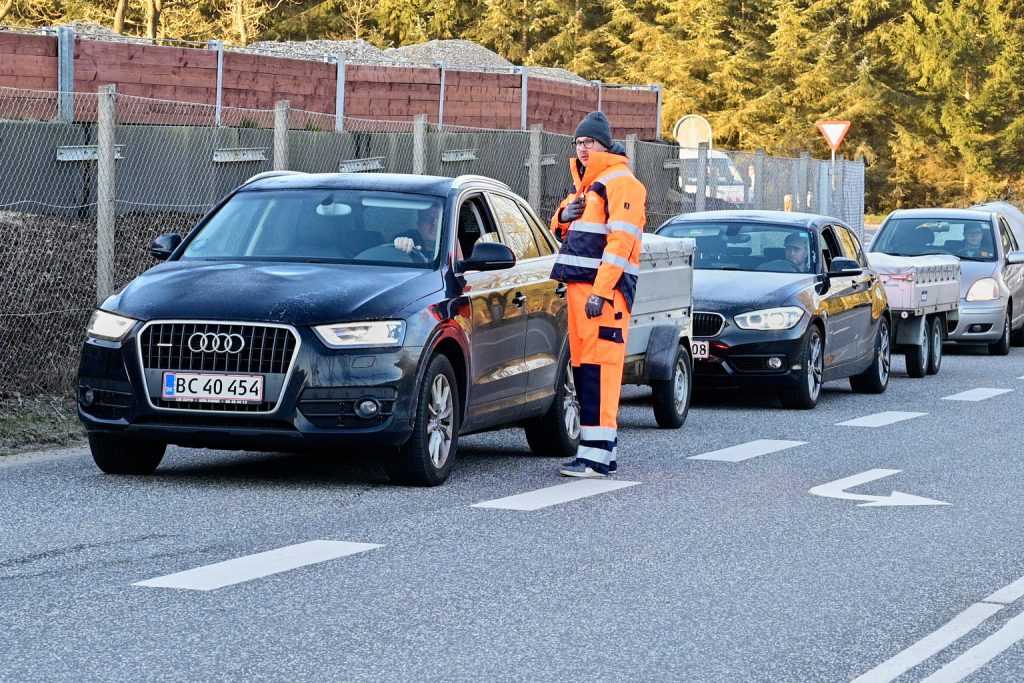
[(834, 133)]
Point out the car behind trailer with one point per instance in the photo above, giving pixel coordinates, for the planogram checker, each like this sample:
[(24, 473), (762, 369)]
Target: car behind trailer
[(924, 296)]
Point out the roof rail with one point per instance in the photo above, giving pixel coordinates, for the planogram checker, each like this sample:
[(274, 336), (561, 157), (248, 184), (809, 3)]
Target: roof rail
[(462, 179), (270, 174)]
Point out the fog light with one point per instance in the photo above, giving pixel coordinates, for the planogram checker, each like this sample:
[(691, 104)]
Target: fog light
[(367, 408), (88, 397), (905, 314), (775, 362)]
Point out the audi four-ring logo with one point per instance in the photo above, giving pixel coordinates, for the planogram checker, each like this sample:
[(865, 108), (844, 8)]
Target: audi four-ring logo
[(209, 342)]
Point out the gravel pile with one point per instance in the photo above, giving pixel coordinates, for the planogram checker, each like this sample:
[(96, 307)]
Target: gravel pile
[(454, 53), (91, 31), (356, 51), (556, 74)]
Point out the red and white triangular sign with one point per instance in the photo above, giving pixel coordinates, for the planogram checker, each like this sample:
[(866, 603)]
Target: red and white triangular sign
[(834, 132)]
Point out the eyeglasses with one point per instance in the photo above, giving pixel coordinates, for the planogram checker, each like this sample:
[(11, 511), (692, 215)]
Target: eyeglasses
[(585, 143)]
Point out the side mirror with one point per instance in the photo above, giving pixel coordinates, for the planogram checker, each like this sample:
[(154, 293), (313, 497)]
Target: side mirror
[(162, 246), (844, 267), (488, 256), (1015, 258)]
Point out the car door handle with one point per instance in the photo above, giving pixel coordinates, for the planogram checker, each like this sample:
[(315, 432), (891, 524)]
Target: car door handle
[(519, 299), (561, 289)]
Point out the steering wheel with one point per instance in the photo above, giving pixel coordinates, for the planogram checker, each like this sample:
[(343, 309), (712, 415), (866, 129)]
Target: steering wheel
[(388, 252)]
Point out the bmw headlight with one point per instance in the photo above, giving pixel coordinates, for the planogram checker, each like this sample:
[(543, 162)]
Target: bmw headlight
[(371, 333), (770, 318), (985, 289), (105, 325)]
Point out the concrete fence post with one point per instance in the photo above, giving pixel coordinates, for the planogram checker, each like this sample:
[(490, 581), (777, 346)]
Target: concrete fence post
[(657, 113), (339, 96), (218, 45), (106, 188), (803, 170), (631, 150), (536, 171), (524, 97), (281, 135), (66, 74), (760, 180), (419, 144), (600, 93), (824, 189), (700, 193), (440, 97)]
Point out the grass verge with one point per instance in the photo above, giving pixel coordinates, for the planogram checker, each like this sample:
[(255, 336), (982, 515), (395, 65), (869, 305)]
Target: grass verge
[(37, 422)]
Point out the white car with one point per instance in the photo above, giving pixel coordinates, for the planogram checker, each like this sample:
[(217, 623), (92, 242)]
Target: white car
[(723, 183)]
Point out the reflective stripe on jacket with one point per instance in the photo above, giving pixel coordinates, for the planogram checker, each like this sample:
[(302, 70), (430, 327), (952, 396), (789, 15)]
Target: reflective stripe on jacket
[(603, 246)]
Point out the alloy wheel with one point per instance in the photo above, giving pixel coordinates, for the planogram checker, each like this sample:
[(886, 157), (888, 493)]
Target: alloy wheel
[(815, 361), (571, 406), (681, 389), (440, 429), (884, 352)]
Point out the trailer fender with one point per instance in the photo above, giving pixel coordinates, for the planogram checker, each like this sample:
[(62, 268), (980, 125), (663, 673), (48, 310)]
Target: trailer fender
[(909, 330), (662, 351)]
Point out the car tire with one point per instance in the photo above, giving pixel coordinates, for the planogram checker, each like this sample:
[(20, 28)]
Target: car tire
[(671, 397), (118, 454), (1002, 347), (919, 357), (804, 396), (937, 334), (875, 379), (426, 458), (556, 433)]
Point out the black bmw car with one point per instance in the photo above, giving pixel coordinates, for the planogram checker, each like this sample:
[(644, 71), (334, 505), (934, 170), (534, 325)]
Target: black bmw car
[(784, 300), (337, 310)]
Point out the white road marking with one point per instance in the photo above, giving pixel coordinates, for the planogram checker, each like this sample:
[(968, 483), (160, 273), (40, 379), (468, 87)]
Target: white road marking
[(837, 489), (1008, 594), (981, 654), (976, 394), (746, 451), (555, 495), (241, 569), (880, 419), (930, 645)]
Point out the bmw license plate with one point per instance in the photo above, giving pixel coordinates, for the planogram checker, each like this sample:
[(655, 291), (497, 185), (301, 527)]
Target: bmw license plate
[(212, 388), (700, 350)]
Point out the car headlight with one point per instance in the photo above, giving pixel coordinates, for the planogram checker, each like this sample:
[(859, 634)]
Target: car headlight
[(770, 318), (985, 289), (105, 325), (372, 333)]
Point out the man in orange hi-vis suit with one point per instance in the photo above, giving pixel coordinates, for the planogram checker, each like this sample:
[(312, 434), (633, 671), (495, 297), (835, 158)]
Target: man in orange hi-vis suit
[(600, 227)]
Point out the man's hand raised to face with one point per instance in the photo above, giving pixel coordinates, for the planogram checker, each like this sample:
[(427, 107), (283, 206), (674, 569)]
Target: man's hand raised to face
[(573, 210)]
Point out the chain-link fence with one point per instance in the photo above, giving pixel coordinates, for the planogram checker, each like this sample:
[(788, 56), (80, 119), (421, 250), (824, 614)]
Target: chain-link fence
[(80, 202)]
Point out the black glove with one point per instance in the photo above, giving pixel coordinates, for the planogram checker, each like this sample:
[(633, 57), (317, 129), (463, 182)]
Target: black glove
[(595, 305), (572, 211)]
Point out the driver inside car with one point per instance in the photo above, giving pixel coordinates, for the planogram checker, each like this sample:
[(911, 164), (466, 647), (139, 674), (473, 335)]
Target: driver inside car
[(796, 251), (423, 238)]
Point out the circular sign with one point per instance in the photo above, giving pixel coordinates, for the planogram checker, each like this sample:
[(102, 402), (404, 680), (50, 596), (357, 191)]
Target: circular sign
[(691, 130)]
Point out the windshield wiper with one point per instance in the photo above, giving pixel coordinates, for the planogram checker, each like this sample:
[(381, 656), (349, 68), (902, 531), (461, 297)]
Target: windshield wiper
[(974, 258)]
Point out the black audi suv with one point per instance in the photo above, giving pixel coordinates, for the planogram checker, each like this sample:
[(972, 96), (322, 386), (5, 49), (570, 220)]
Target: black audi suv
[(784, 300), (393, 312)]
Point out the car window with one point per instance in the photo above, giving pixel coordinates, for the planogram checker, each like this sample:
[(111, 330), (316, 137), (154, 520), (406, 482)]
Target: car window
[(540, 234), (473, 227), (1008, 242), (730, 245), (963, 237), (516, 232), (850, 245), (829, 247), (322, 225)]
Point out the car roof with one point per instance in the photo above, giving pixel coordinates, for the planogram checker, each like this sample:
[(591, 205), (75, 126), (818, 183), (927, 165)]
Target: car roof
[(938, 212), (375, 182), (804, 220)]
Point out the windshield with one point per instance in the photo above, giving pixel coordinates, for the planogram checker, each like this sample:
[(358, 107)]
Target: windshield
[(969, 239), (748, 246), (328, 226)]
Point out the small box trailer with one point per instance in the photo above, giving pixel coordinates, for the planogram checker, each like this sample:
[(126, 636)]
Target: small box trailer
[(661, 328), (924, 297)]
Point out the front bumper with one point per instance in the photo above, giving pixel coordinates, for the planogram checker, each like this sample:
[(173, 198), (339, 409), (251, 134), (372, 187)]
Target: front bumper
[(980, 322), (314, 407), (740, 358)]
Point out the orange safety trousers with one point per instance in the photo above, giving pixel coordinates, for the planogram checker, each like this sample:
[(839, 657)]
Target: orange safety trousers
[(597, 348)]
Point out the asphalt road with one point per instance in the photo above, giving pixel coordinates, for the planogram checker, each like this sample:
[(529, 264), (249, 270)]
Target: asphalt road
[(704, 570)]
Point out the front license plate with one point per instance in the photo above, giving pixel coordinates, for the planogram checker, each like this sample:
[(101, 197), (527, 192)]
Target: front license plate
[(700, 350), (212, 388)]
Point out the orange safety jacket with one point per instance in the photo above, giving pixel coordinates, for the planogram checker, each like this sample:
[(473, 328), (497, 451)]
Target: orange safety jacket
[(603, 246)]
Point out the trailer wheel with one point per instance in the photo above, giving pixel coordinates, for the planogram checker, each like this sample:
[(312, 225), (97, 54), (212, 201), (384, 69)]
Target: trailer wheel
[(919, 356), (936, 336), (672, 396)]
